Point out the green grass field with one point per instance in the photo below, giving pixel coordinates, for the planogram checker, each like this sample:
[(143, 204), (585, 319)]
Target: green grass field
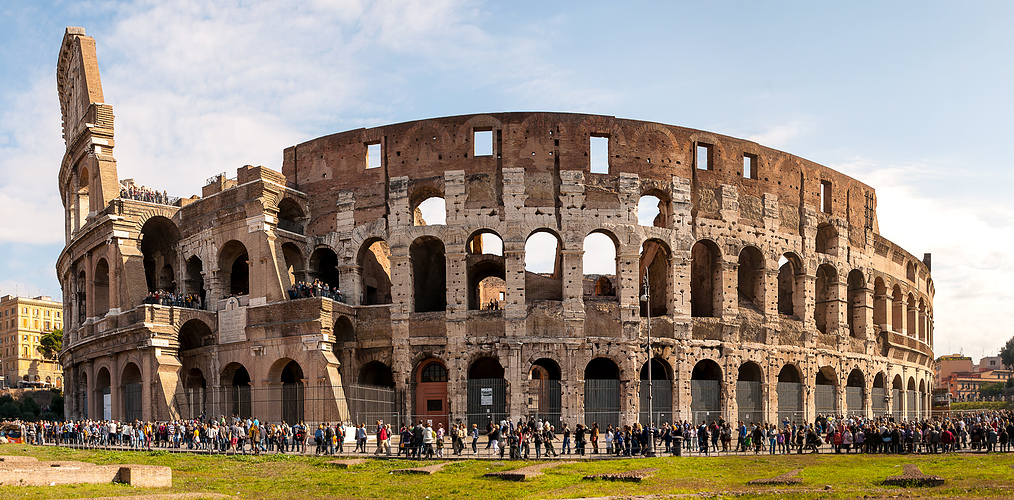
[(284, 476)]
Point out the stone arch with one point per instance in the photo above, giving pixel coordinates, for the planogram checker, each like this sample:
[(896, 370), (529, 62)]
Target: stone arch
[(159, 240), (375, 264), (193, 334), (194, 281), (545, 390), (790, 394), (130, 384), (600, 278), (921, 324), (656, 260), (826, 296), (750, 392), (790, 272), (101, 287), (705, 279), (911, 326), (543, 267), (878, 395), (660, 374), (897, 310), (826, 391), (429, 274), (910, 271), (706, 391), (103, 394), (856, 306), (428, 206), (344, 331), (290, 375), (290, 216), (234, 267), (602, 392), (654, 209), (827, 239), (376, 373), (750, 282), (855, 392), (293, 258), (880, 300), (486, 270), (324, 267), (236, 390)]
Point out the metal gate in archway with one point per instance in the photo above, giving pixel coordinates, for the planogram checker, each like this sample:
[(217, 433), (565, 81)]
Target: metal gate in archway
[(132, 402), (545, 400), (854, 400), (879, 397), (790, 402), (826, 399), (602, 402), (487, 401), (750, 400), (291, 408), (661, 402), (705, 400)]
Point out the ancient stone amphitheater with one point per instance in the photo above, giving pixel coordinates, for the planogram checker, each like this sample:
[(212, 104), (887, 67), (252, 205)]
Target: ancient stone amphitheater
[(489, 265)]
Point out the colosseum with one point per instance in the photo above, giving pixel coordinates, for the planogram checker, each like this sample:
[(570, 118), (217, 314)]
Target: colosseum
[(563, 266)]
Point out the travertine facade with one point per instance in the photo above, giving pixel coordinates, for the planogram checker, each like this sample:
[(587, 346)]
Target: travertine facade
[(772, 294)]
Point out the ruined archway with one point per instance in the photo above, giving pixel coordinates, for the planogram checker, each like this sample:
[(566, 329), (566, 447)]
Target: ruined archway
[(790, 395), (790, 270), (543, 266), (660, 374), (101, 287), (750, 393), (293, 258), (825, 307), (159, 238), (855, 393), (429, 275), (234, 267), (857, 305), (706, 391), (487, 275), (750, 283), (236, 391), (195, 281), (826, 391), (486, 392), (324, 267), (705, 269), (292, 393), (545, 391), (130, 387), (375, 262), (656, 260), (602, 392), (827, 240), (600, 265), (290, 216)]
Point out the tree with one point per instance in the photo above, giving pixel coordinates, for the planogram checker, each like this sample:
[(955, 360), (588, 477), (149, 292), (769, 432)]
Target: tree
[(1007, 354), (51, 342), (991, 389)]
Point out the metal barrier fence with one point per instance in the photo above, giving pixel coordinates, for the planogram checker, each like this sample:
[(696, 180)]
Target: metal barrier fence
[(545, 400), (790, 401), (854, 400), (879, 397), (602, 402), (705, 398), (661, 402), (487, 401), (750, 400), (826, 399)]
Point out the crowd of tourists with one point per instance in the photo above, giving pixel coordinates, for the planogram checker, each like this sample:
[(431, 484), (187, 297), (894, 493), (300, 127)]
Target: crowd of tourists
[(162, 297), (303, 290), (535, 438), (142, 193)]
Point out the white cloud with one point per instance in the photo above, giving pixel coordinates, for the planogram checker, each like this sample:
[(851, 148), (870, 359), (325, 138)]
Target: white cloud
[(780, 136), (971, 271)]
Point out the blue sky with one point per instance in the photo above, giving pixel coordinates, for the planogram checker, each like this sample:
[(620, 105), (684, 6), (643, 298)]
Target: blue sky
[(913, 98)]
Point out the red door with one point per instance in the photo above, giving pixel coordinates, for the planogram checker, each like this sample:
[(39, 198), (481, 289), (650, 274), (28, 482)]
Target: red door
[(431, 393)]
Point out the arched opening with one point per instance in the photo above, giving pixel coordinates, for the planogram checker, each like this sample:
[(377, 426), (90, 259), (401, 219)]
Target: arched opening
[(602, 392), (234, 266), (293, 258), (599, 265), (429, 275), (750, 282), (653, 210), (81, 391), (290, 216), (910, 271), (912, 325), (101, 288), (487, 286), (827, 240), (103, 395), (159, 237), (130, 382), (706, 391), (195, 393), (855, 389), (825, 303), (921, 405), (897, 388), (826, 391), (857, 305), (487, 392), (373, 397), (81, 203), (195, 281), (912, 399), (704, 278), (543, 266), (660, 374), (81, 297), (656, 260), (236, 391), (789, 270), (323, 267), (375, 262), (750, 393), (922, 320), (192, 335), (428, 208), (878, 396), (880, 300), (898, 310), (545, 396), (291, 408), (343, 331), (431, 391), (790, 395)]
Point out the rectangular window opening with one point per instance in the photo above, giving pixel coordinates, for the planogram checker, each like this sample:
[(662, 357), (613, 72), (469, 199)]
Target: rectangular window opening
[(749, 166), (373, 155), (825, 196), (434, 405), (599, 154), (483, 141), (703, 156)]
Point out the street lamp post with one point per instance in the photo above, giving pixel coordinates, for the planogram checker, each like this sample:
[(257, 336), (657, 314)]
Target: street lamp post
[(649, 450)]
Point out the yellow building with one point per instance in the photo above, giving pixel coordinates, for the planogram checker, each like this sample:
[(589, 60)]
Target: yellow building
[(23, 322)]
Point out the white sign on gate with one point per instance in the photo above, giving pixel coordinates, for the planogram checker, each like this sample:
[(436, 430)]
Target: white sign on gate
[(107, 407), (486, 396)]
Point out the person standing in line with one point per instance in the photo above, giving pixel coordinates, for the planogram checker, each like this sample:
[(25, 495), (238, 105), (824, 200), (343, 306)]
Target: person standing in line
[(565, 448), (475, 439)]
